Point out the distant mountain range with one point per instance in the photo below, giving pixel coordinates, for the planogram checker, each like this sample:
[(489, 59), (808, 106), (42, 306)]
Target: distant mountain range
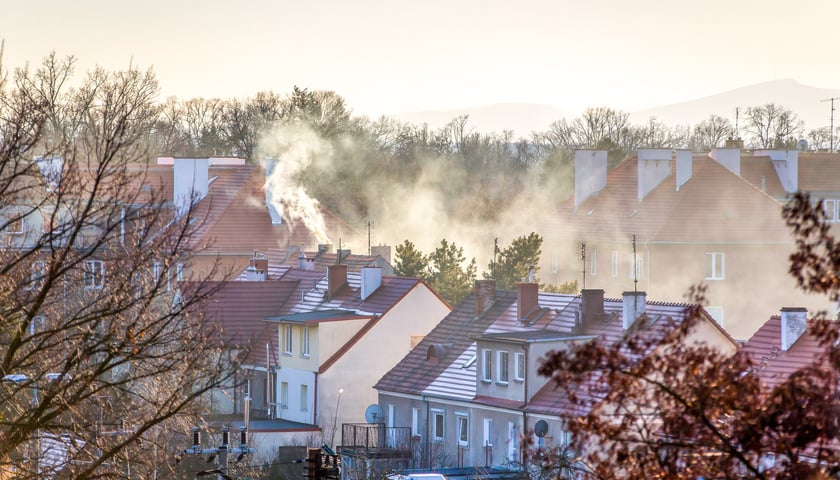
[(524, 118)]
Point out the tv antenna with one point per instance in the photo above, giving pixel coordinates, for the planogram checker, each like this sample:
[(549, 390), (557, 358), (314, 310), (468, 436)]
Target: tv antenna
[(635, 267), (831, 128), (583, 262), (369, 225)]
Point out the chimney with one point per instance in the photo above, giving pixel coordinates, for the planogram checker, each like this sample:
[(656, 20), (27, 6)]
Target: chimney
[(590, 174), (684, 166), (592, 304), (527, 299), (632, 307), (383, 251), (729, 158), (371, 280), (654, 166), (257, 268), (324, 248), (342, 254), (485, 295), (190, 182), (305, 263), (336, 278), (786, 163), (794, 324)]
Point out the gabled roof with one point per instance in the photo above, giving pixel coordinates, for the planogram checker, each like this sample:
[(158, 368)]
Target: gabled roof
[(322, 260), (714, 205), (452, 374), (774, 364)]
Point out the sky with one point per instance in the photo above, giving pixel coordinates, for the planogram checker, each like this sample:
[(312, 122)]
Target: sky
[(391, 56)]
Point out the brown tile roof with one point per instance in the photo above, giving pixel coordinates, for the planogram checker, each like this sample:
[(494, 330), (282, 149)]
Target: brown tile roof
[(774, 364), (714, 205), (819, 172)]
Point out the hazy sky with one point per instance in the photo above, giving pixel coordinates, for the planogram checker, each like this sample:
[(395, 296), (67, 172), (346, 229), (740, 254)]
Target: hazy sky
[(391, 56)]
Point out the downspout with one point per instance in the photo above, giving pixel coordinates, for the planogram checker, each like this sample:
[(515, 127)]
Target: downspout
[(315, 416), (427, 448), (525, 348)]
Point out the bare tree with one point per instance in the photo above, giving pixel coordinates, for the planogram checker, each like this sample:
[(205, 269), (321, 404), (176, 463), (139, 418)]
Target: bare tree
[(99, 341), (711, 132), (772, 126)]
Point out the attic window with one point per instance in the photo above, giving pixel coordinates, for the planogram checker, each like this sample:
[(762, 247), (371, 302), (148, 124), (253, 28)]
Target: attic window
[(470, 362), (437, 352)]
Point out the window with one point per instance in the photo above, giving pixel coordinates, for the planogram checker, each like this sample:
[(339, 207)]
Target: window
[(519, 366), (287, 341), (415, 422), (304, 341), (463, 429), (14, 225), (37, 272), (94, 274), (157, 268), (502, 360), (512, 436), (179, 272), (437, 425), (638, 261), (488, 432), (486, 365), (831, 208), (714, 266), (284, 394), (304, 398), (614, 264)]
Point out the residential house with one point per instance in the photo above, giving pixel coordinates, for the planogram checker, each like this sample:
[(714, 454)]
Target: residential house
[(317, 342), (664, 221), (470, 389)]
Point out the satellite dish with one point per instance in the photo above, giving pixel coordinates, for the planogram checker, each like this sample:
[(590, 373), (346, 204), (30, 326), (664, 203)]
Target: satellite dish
[(541, 428), (373, 414)]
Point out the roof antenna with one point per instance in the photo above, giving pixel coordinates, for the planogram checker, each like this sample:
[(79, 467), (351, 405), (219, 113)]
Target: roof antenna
[(495, 252), (369, 225), (635, 267), (583, 262)]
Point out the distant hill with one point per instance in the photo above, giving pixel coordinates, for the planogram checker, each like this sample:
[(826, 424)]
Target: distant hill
[(524, 118), (802, 99)]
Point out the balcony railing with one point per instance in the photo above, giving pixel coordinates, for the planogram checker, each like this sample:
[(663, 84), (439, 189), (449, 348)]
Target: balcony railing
[(376, 439)]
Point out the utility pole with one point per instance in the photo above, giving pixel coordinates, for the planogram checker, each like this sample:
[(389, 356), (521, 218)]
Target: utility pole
[(220, 453), (831, 128)]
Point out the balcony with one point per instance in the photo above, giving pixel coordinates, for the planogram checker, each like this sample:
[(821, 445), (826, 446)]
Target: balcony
[(375, 440)]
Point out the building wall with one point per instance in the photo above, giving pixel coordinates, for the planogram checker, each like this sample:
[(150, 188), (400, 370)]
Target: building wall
[(293, 409)]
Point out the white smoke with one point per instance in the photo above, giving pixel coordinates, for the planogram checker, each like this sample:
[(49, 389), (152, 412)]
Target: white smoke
[(295, 148)]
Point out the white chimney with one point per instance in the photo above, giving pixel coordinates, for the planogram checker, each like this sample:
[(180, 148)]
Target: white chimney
[(272, 197), (371, 280), (190, 182), (654, 166), (794, 324), (729, 158), (632, 307), (257, 270), (590, 174), (684, 166), (786, 163)]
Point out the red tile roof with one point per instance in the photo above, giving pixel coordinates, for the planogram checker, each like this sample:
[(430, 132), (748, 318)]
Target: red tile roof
[(774, 364)]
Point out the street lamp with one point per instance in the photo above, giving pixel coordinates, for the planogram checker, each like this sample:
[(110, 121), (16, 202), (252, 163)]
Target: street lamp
[(335, 416)]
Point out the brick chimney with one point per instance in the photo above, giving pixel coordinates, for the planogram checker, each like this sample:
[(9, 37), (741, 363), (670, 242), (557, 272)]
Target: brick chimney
[(592, 305), (654, 166), (794, 324), (527, 299), (632, 307), (257, 268), (590, 174), (336, 278), (190, 182), (371, 280), (485, 295)]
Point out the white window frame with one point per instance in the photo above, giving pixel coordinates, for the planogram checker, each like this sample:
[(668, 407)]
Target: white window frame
[(304, 397), (304, 342), (502, 367), (93, 274), (593, 263), (831, 208), (15, 226), (487, 365), (614, 263), (288, 347), (711, 266), (488, 432), (519, 366), (284, 395), (415, 422), (179, 272), (462, 421), (438, 413), (512, 437)]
